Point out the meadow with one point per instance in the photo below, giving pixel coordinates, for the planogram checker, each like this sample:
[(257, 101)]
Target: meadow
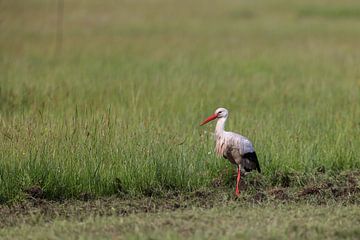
[(114, 107), (295, 221)]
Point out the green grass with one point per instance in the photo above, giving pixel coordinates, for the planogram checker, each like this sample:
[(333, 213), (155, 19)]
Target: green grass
[(330, 12), (230, 222), (117, 111)]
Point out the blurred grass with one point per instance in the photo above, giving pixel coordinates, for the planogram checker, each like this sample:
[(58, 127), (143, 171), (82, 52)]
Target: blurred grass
[(330, 12), (297, 221), (118, 110)]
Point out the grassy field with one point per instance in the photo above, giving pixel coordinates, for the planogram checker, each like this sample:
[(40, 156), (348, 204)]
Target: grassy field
[(226, 222), (115, 110), (118, 108)]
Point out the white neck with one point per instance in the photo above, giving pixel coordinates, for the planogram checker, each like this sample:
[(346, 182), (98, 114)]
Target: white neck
[(220, 125)]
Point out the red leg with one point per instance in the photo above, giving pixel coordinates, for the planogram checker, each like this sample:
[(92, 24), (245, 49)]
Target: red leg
[(237, 192)]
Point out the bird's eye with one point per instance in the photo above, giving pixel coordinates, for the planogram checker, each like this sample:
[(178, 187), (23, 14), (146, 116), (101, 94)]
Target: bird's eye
[(219, 112)]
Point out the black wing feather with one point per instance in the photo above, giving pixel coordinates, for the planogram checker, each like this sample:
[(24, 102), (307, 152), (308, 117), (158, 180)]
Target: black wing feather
[(250, 162)]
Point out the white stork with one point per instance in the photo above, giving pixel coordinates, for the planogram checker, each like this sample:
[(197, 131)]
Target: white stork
[(232, 146)]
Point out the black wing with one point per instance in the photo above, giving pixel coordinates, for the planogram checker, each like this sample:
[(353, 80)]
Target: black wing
[(250, 162)]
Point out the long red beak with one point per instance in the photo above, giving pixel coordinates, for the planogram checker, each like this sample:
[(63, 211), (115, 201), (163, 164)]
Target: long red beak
[(212, 117)]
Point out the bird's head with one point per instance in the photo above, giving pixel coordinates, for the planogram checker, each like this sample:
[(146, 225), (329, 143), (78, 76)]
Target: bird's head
[(219, 113)]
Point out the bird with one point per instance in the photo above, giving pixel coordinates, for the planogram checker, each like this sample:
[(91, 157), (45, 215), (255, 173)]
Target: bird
[(232, 146)]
